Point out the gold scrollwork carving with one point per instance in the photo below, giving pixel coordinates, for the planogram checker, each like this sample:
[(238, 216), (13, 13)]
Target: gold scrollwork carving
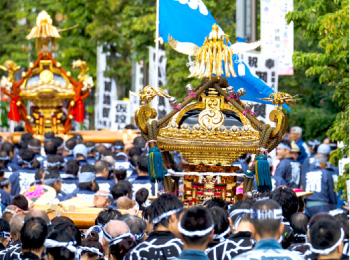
[(143, 114)]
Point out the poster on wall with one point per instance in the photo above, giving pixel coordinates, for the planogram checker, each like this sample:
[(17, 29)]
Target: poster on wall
[(277, 37), (106, 93), (264, 67)]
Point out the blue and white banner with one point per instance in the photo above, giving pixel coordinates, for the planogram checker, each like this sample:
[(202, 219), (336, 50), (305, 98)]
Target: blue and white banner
[(191, 21)]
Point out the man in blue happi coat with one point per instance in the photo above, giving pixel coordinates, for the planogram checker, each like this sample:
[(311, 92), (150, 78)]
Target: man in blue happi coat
[(266, 216), (295, 135), (288, 169), (320, 182)]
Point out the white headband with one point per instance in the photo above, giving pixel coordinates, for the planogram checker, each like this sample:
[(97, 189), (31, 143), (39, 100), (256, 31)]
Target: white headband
[(9, 211), (91, 249), (5, 182), (165, 215), (33, 147), (284, 146), (4, 234), (50, 243), (198, 233), (119, 239), (327, 251), (239, 211), (266, 214), (107, 236), (104, 195), (223, 234), (51, 181)]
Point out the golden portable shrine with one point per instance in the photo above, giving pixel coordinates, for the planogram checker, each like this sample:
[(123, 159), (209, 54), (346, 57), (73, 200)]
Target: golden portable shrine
[(57, 98), (211, 128)]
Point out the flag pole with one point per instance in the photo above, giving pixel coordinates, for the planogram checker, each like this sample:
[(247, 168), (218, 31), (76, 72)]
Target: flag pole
[(157, 55)]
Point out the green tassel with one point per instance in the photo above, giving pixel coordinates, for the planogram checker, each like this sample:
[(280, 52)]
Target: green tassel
[(155, 165), (263, 174)]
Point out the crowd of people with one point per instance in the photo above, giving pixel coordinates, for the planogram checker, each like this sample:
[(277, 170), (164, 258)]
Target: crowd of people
[(298, 219)]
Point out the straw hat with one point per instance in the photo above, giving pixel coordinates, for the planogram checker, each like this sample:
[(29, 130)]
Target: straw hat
[(40, 194), (301, 193), (294, 148)]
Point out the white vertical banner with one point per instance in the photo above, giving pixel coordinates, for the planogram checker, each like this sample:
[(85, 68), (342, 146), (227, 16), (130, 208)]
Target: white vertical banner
[(137, 86), (120, 114), (264, 67), (162, 104), (161, 67), (277, 37), (106, 93)]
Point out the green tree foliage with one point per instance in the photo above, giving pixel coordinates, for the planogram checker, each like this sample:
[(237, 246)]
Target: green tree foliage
[(325, 24)]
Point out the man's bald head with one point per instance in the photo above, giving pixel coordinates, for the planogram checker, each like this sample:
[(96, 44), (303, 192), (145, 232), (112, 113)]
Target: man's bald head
[(8, 212), (102, 199), (16, 225), (116, 228), (37, 213), (124, 203)]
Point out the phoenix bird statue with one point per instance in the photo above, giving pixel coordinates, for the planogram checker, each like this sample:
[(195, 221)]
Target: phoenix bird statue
[(148, 93), (210, 57), (279, 98)]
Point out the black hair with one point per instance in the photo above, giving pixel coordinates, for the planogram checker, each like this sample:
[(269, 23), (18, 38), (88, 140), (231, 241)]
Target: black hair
[(107, 215), (51, 173), (78, 137), (54, 159), (100, 166), (87, 168), (325, 233), (39, 176), (2, 179), (92, 240), (134, 159), (128, 184), (139, 142), (141, 196), (118, 190), (343, 221), (20, 201), (5, 227), (266, 226), (134, 151), (88, 185), (25, 138), (119, 174), (50, 148), (216, 202), (71, 143), (319, 216), (7, 147), (58, 141), (89, 144), (49, 135), (137, 226), (19, 128), (27, 155), (196, 218), (287, 199), (66, 224), (33, 234), (162, 204), (3, 163), (142, 163), (298, 222), (100, 149), (220, 217), (72, 167), (35, 143), (118, 143), (129, 126), (118, 251), (61, 253)]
